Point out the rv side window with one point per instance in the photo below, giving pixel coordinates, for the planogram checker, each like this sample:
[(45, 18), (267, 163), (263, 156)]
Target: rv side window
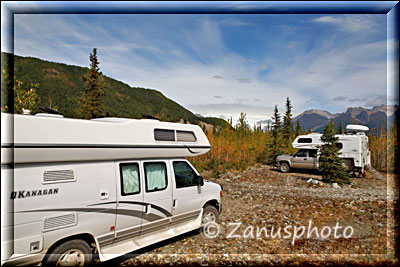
[(185, 136), (155, 176), (304, 140), (130, 180), (339, 145), (164, 135), (184, 174)]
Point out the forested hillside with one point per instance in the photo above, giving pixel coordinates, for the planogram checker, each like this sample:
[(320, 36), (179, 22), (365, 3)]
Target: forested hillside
[(61, 85)]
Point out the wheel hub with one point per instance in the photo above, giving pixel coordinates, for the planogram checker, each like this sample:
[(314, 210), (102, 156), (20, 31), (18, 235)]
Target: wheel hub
[(72, 257)]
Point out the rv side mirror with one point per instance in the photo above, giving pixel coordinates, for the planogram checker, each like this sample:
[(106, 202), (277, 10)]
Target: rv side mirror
[(199, 180)]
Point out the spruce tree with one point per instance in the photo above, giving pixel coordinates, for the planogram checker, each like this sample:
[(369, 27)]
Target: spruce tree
[(298, 128), (91, 105), (276, 146), (287, 130), (330, 164), (340, 128), (242, 127)]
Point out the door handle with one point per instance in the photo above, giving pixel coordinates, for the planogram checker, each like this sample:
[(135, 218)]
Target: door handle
[(103, 194), (175, 203), (305, 159)]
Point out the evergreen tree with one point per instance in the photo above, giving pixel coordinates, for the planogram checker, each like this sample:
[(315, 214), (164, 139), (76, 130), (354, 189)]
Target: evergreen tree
[(298, 128), (242, 127), (287, 130), (276, 145), (330, 164), (340, 129), (91, 105)]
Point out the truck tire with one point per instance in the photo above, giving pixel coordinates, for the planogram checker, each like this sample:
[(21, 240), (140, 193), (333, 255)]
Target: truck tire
[(210, 214), (284, 167), (74, 252)]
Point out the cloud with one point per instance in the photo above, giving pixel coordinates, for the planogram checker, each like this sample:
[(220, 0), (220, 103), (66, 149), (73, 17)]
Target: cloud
[(232, 22), (231, 109), (264, 66), (194, 64), (349, 23), (243, 80), (381, 100), (339, 98)]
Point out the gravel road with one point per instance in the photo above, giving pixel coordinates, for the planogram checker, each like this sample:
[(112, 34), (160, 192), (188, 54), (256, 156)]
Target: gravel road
[(261, 196)]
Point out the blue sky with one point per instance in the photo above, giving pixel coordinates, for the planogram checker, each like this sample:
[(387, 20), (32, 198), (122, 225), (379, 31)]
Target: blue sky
[(222, 65)]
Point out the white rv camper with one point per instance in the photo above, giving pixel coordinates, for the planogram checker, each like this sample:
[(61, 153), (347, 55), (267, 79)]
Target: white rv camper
[(354, 149), (73, 188)]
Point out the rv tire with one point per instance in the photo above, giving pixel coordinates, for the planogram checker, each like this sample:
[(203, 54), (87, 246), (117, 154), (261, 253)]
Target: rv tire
[(76, 252), (210, 214)]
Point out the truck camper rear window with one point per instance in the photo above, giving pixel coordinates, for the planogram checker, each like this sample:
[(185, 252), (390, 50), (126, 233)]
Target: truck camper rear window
[(130, 180), (304, 140), (164, 135), (339, 145)]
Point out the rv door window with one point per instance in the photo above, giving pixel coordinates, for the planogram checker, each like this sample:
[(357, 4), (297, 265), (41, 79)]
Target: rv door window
[(155, 176), (184, 174), (130, 180)]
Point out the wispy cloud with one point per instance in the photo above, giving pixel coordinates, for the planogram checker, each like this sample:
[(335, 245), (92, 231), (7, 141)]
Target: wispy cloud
[(233, 22), (350, 23), (203, 59)]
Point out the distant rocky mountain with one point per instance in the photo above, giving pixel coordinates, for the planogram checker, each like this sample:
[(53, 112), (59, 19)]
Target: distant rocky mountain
[(374, 118)]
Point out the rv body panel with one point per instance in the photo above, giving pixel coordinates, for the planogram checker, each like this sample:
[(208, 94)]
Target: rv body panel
[(92, 202), (52, 139)]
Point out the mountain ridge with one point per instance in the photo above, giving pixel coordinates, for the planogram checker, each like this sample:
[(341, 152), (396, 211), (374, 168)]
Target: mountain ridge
[(61, 85), (375, 117)]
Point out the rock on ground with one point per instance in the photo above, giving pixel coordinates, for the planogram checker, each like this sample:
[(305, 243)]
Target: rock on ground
[(262, 196)]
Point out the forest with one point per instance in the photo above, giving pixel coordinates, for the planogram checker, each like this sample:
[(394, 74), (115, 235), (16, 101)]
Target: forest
[(234, 147), (241, 146)]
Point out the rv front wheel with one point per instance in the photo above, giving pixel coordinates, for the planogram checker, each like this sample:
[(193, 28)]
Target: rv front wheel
[(71, 253), (210, 214)]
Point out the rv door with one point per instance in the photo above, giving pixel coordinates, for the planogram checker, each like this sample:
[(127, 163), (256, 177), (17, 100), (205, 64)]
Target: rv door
[(299, 159), (187, 197), (130, 197), (157, 196)]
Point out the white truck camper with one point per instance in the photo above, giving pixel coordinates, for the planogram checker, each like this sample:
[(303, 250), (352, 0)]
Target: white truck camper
[(354, 149), (72, 189)]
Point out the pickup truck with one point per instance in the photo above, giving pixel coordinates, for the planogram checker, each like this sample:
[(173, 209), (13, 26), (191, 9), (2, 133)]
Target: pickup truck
[(302, 159)]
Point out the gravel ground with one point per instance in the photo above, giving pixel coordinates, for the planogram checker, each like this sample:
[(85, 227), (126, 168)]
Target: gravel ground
[(261, 196)]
